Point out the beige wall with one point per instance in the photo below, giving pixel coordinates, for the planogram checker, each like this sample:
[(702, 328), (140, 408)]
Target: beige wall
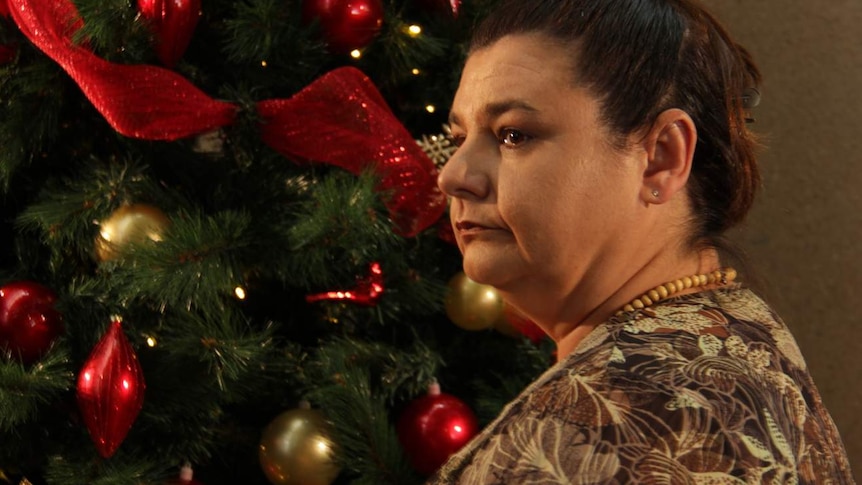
[(805, 235)]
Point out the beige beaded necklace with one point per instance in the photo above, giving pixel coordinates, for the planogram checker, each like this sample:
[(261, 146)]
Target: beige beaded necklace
[(720, 277)]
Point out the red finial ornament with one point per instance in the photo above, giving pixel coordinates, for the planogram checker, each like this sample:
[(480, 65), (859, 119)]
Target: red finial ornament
[(111, 390)]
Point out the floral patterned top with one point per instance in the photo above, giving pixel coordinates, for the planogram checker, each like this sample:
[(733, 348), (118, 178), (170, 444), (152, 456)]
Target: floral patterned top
[(707, 388)]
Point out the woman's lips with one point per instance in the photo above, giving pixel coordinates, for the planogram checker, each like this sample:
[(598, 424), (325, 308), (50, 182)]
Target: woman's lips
[(470, 228)]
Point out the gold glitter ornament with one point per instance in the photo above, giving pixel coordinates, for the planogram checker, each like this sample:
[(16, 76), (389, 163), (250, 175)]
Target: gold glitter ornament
[(295, 449), (134, 223), (471, 305)]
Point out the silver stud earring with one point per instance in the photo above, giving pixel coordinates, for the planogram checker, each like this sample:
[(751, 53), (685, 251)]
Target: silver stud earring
[(655, 193)]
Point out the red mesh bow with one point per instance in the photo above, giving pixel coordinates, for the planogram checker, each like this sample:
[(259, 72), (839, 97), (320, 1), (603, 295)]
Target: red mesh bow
[(339, 119)]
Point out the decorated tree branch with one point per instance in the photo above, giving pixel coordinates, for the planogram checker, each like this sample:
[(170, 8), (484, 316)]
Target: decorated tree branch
[(223, 234)]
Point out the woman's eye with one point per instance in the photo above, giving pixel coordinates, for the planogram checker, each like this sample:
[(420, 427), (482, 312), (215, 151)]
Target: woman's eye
[(512, 138)]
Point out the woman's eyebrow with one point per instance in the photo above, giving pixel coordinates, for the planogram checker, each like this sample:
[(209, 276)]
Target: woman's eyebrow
[(497, 109)]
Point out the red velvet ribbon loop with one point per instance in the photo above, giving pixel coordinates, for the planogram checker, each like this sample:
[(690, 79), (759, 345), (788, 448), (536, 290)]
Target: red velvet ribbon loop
[(340, 119)]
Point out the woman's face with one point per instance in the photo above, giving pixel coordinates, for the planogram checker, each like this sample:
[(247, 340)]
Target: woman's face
[(539, 195)]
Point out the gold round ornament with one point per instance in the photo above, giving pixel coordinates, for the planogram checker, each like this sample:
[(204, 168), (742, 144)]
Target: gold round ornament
[(471, 305), (129, 224), (295, 449)]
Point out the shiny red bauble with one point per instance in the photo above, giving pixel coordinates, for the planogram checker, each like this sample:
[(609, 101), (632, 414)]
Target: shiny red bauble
[(173, 22), (346, 24), (28, 321), (434, 427), (110, 390)]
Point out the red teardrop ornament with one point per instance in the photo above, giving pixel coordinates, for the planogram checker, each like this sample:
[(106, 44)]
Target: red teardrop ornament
[(111, 390), (173, 22)]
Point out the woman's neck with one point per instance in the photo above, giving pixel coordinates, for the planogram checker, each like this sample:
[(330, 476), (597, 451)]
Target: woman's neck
[(576, 318)]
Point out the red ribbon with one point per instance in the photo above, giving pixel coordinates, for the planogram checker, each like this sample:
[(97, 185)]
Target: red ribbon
[(339, 119)]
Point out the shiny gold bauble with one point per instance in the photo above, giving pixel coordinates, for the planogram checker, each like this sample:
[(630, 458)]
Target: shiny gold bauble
[(295, 449), (471, 305), (135, 223)]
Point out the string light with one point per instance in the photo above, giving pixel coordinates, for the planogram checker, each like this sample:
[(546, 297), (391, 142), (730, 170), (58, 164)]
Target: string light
[(356, 53), (263, 63), (414, 30), (239, 291), (430, 108), (151, 342), (416, 71)]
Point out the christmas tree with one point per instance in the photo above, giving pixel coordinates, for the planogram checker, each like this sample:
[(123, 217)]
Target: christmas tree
[(223, 247)]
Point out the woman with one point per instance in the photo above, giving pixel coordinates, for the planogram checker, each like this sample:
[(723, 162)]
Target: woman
[(603, 151)]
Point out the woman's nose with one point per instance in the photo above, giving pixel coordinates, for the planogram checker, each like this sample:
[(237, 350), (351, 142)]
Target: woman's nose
[(465, 176)]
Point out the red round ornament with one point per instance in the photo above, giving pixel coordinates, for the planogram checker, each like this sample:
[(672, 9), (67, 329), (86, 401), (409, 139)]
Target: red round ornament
[(28, 321), (173, 22), (434, 427), (111, 390), (346, 24)]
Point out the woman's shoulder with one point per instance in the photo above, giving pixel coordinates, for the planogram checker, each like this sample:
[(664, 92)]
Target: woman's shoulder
[(727, 322), (722, 352), (727, 339), (680, 383)]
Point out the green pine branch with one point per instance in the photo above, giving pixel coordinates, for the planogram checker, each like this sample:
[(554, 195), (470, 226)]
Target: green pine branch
[(27, 390)]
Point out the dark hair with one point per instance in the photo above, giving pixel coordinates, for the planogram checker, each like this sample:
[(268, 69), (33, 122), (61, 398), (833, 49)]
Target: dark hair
[(642, 57)]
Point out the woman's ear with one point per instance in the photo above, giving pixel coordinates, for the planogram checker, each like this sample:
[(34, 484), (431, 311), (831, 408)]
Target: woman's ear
[(669, 146)]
